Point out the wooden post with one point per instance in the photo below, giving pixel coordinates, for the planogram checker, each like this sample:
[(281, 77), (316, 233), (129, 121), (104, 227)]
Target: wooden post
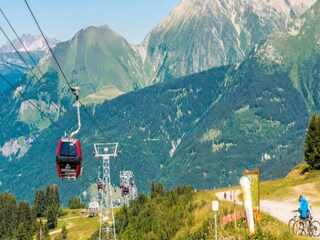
[(235, 221), (255, 172)]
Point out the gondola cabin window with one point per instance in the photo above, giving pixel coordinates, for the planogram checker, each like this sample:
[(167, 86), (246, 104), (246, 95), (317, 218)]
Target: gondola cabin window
[(68, 149)]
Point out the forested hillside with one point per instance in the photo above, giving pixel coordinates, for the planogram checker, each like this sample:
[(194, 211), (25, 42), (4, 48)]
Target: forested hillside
[(16, 218), (147, 124), (202, 129), (260, 121)]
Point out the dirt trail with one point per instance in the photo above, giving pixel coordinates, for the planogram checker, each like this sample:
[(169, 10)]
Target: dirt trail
[(67, 227), (281, 210)]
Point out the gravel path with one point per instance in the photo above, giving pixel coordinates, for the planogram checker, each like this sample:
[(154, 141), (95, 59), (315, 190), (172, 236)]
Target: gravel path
[(281, 210)]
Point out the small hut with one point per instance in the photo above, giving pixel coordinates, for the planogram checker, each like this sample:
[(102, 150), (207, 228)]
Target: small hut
[(94, 208)]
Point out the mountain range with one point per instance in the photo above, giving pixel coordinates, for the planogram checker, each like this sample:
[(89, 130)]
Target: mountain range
[(198, 35), (203, 129), (12, 66), (195, 36), (31, 42)]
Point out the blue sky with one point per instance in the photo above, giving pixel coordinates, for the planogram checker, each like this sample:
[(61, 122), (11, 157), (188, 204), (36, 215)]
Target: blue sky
[(61, 19)]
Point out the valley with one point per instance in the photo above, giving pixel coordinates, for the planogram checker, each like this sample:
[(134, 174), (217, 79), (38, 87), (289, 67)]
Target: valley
[(216, 87)]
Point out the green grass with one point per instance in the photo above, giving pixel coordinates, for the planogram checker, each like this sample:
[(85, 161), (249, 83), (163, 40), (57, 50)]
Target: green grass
[(287, 187), (107, 92), (78, 227), (270, 228)]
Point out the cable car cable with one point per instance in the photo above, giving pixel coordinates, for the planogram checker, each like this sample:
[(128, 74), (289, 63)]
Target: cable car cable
[(27, 64), (75, 164), (72, 89), (27, 99), (42, 75), (24, 61), (58, 98), (64, 76), (32, 59), (50, 49), (93, 119)]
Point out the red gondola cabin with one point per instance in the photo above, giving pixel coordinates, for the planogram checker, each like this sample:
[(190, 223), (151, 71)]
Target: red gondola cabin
[(124, 189), (69, 158), (100, 187)]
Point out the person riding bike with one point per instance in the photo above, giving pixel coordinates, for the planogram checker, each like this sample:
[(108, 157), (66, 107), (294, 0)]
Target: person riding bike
[(304, 223), (304, 209)]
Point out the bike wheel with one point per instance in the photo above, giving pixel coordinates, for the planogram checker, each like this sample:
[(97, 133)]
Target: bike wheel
[(291, 223), (308, 227), (316, 228), (298, 228)]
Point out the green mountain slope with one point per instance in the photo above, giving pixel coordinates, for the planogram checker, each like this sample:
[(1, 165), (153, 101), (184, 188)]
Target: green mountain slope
[(98, 60), (97, 57), (296, 51), (260, 122), (148, 124)]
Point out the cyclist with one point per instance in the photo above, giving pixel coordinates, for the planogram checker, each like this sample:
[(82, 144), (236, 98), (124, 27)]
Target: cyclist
[(305, 217), (304, 207)]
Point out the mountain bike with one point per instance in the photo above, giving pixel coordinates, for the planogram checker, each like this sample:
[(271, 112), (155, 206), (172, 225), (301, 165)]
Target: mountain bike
[(293, 219), (315, 228), (304, 227), (307, 227)]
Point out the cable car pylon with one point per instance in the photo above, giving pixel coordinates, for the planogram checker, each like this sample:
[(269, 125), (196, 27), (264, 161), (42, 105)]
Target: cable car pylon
[(69, 154), (107, 228)]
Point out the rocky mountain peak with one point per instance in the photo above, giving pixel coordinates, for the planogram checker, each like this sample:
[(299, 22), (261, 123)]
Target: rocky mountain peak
[(198, 35), (31, 42)]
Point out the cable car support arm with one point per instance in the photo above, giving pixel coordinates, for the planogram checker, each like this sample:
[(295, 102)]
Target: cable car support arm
[(76, 91)]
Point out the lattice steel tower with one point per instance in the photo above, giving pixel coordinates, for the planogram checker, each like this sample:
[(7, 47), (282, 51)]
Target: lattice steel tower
[(107, 228)]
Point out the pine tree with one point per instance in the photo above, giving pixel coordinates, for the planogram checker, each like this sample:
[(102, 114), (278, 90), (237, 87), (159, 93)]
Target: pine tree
[(17, 221), (22, 232), (52, 198), (76, 203), (26, 219), (51, 217), (55, 196), (39, 205), (8, 215), (64, 233), (156, 188), (312, 143), (48, 196)]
